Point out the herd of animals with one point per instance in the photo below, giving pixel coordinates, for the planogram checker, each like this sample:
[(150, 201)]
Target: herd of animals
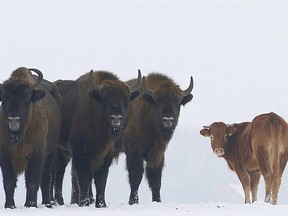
[(91, 120)]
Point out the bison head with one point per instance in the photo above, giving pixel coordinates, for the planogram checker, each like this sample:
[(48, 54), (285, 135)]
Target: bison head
[(17, 94), (114, 96), (166, 97), (218, 133)]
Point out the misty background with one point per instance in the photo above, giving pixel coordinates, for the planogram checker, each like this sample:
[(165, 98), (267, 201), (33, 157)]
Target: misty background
[(236, 52)]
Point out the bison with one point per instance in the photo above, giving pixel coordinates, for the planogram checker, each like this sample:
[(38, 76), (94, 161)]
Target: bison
[(151, 121), (29, 130), (94, 108), (251, 149)]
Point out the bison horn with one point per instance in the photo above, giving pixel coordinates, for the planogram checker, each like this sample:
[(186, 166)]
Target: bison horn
[(92, 83), (40, 77), (146, 89), (189, 89), (136, 85)]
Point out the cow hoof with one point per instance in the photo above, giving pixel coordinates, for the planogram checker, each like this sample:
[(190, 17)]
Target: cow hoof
[(85, 202)]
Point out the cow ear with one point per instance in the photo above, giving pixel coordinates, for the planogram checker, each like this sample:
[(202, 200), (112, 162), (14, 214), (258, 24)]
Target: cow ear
[(134, 95), (0, 94), (37, 95), (205, 132), (186, 99), (231, 131), (95, 95), (148, 98)]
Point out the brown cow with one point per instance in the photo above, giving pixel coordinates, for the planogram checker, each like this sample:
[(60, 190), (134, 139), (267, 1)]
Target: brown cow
[(251, 149)]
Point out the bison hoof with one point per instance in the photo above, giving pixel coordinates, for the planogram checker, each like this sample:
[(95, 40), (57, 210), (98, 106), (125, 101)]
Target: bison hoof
[(29, 204), (84, 202), (133, 200), (100, 204), (59, 201), (92, 200), (10, 206)]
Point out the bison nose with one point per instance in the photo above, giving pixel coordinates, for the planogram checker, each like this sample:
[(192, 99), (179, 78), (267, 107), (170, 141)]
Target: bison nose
[(116, 120), (14, 123), (167, 122), (219, 152)]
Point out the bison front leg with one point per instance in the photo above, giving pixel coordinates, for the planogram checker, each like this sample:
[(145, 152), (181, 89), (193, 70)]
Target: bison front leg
[(154, 175), (9, 181), (33, 176), (84, 176), (46, 180), (100, 178), (60, 165), (135, 172)]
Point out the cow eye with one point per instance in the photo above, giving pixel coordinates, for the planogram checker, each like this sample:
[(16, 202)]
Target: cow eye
[(212, 137)]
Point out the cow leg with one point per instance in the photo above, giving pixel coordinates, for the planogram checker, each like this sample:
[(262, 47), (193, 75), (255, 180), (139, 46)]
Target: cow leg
[(84, 176), (254, 179), (46, 180), (135, 174), (245, 181), (100, 178), (9, 181), (154, 175), (33, 177)]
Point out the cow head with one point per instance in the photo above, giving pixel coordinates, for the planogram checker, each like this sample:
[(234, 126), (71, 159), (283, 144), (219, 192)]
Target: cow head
[(218, 132), (114, 96), (17, 93), (167, 98)]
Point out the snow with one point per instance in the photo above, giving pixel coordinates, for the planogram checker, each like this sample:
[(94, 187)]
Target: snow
[(236, 52)]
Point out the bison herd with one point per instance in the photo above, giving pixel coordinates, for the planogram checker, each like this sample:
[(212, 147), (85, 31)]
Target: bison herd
[(91, 120)]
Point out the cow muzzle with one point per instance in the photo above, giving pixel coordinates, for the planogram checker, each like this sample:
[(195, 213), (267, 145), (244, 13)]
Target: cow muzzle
[(14, 124), (219, 152)]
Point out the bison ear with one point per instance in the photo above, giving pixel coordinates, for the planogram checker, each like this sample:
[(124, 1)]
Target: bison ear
[(134, 95), (148, 98), (231, 131), (186, 99), (205, 132), (95, 95), (37, 95)]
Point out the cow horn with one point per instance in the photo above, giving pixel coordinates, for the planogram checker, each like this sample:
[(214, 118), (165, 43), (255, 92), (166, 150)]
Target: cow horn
[(189, 89), (146, 89), (136, 85), (40, 77), (92, 83), (206, 127)]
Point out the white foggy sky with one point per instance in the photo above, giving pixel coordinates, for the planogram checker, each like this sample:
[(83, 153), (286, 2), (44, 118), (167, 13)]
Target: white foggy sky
[(236, 51)]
